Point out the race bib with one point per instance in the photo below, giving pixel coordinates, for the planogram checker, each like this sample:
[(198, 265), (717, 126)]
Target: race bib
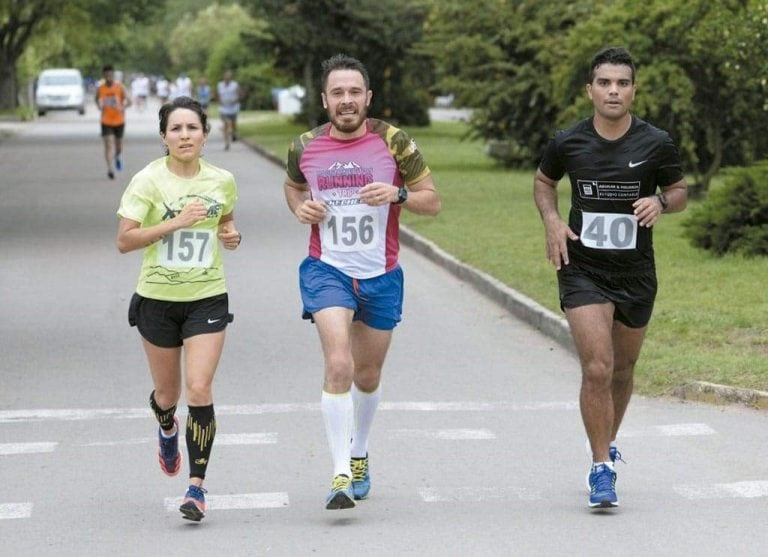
[(351, 232), (186, 248), (608, 230)]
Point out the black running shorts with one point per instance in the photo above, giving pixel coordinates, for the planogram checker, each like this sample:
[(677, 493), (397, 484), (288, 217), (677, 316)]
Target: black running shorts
[(117, 131), (632, 295), (167, 324)]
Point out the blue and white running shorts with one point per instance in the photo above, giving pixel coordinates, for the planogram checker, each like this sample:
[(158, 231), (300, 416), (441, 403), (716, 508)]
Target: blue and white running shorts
[(377, 301)]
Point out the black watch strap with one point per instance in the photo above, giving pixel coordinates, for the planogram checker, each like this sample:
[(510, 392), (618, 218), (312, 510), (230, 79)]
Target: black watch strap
[(402, 195)]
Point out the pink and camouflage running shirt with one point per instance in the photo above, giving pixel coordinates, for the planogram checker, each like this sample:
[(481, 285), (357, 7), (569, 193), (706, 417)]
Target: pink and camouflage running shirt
[(359, 240)]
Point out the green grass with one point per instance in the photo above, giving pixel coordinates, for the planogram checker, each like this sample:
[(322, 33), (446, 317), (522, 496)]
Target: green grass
[(21, 113), (709, 323)]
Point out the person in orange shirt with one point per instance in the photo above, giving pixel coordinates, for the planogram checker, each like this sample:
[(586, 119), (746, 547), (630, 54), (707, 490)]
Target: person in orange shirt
[(112, 99)]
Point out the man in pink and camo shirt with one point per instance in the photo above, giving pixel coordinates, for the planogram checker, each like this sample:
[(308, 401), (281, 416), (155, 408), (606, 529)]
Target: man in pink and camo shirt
[(349, 179)]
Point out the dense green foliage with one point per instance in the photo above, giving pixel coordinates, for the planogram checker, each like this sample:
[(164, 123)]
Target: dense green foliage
[(702, 70), (734, 217), (306, 32)]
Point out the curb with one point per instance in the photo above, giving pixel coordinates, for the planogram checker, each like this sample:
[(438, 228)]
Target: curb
[(549, 323), (702, 391)]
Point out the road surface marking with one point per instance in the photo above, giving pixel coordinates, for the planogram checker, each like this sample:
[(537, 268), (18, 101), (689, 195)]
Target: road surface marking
[(672, 430), (477, 494), (235, 501), (447, 434), (735, 490), (269, 438), (26, 448), (76, 414), (15, 510)]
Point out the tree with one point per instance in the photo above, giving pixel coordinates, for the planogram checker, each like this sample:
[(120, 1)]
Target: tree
[(195, 36), (701, 76), (378, 32), (19, 19), (83, 31), (496, 56)]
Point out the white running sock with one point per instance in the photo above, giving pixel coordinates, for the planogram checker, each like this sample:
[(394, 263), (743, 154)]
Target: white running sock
[(365, 409), (338, 415)]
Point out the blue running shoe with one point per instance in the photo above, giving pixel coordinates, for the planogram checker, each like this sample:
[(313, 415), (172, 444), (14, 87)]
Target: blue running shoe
[(118, 162), (340, 496), (602, 487), (168, 452), (613, 454), (361, 479), (193, 506)]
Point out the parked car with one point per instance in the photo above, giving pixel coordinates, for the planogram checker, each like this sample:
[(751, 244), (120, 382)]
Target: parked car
[(60, 89)]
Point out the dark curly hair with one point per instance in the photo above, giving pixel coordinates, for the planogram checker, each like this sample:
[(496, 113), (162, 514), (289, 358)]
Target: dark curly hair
[(182, 102)]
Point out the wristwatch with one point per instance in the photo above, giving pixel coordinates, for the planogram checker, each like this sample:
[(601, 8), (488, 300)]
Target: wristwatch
[(663, 201), (402, 195)]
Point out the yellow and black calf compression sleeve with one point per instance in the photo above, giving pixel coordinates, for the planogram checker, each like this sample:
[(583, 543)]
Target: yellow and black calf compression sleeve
[(201, 429), (164, 417)]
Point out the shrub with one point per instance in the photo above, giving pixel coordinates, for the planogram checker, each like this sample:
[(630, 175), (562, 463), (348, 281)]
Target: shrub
[(734, 217)]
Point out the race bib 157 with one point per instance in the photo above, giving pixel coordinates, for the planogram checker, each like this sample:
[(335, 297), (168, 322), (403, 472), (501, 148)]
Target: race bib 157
[(186, 248)]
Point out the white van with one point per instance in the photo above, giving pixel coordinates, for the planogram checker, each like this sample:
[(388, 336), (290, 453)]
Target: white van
[(60, 89)]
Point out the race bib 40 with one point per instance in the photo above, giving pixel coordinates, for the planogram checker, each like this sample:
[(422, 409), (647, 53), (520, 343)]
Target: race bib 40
[(609, 230)]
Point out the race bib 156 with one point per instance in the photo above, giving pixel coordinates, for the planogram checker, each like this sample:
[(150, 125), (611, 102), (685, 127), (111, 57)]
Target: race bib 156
[(351, 232)]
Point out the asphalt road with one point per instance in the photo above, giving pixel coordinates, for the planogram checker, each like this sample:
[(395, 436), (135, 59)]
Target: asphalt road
[(478, 448)]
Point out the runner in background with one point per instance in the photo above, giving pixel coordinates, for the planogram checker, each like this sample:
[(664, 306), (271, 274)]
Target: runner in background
[(228, 94), (112, 99)]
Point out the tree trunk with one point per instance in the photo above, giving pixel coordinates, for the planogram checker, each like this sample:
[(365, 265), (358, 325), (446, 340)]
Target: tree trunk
[(8, 87), (717, 160), (310, 98)]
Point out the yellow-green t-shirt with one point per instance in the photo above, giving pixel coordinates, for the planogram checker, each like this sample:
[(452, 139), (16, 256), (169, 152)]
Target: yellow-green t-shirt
[(186, 265)]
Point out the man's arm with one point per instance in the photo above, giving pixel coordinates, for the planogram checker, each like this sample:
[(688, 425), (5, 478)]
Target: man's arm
[(556, 230), (307, 210), (422, 196), (672, 199), (676, 196)]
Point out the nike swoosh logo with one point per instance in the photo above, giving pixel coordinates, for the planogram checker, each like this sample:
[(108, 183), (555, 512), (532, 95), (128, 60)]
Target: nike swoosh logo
[(634, 164), (211, 321)]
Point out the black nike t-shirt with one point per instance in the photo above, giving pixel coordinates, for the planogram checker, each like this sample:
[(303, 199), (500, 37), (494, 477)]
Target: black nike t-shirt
[(607, 177)]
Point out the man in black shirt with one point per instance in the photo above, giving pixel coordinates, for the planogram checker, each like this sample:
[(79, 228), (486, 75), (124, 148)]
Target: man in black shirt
[(604, 254)]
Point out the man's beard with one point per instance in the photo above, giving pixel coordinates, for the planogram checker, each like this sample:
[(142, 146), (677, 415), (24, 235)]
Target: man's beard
[(349, 126)]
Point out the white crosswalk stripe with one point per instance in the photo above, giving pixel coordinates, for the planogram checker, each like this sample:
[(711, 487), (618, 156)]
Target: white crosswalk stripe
[(671, 430), (26, 448), (15, 510), (269, 438), (238, 501), (445, 434), (477, 494), (747, 490)]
